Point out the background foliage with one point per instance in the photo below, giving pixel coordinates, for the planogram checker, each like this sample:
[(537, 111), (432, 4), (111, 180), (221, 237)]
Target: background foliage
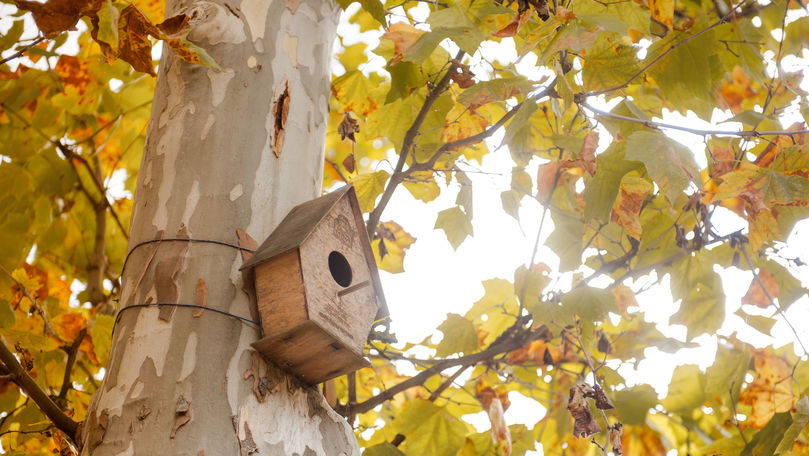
[(628, 204)]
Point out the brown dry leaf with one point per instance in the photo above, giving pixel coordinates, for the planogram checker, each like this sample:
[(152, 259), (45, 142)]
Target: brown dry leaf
[(175, 26), (771, 390), (515, 25), (602, 401), (134, 46), (56, 16), (461, 75), (723, 161), (626, 209), (349, 163), (348, 126), (584, 423), (616, 432), (756, 294)]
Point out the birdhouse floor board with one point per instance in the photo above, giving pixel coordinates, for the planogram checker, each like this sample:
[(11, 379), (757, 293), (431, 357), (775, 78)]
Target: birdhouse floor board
[(311, 353)]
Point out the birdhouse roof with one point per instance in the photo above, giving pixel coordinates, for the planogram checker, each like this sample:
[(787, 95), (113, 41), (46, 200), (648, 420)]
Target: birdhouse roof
[(302, 221)]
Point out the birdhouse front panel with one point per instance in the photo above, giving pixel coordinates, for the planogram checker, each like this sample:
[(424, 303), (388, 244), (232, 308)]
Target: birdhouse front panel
[(344, 300), (280, 293)]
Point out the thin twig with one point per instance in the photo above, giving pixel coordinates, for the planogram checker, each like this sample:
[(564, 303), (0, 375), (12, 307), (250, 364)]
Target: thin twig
[(23, 50), (72, 352), (695, 131), (778, 309)]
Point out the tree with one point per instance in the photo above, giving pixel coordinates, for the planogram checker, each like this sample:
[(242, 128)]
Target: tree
[(630, 208)]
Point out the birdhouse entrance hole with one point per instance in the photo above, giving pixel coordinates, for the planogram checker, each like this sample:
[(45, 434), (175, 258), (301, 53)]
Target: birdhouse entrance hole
[(340, 269)]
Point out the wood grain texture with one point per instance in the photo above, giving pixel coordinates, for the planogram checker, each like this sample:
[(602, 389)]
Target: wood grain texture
[(280, 293)]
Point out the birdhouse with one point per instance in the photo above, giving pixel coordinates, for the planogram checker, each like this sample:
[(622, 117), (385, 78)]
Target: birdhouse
[(317, 288)]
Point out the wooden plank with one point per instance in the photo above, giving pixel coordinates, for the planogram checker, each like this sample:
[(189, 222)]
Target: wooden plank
[(280, 293), (311, 353)]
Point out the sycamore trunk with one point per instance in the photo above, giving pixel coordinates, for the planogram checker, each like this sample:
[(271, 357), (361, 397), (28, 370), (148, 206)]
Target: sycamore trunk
[(226, 152)]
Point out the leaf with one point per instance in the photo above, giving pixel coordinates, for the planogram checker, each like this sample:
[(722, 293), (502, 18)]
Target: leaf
[(760, 296), (759, 323), (626, 209), (663, 11), (429, 429), (529, 285), (459, 337), (514, 25), (767, 440), (686, 390), (453, 23), (134, 46), (670, 164), (499, 89), (609, 63), (584, 423), (352, 91), (590, 304), (763, 187), (601, 191), (396, 241), (566, 240), (799, 420), (422, 186), (456, 225), (382, 449), (771, 391), (633, 404), (192, 53), (56, 16), (369, 187), (403, 36)]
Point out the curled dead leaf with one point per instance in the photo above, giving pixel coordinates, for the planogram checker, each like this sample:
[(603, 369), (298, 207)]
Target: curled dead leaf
[(461, 75), (616, 432), (348, 126), (584, 423)]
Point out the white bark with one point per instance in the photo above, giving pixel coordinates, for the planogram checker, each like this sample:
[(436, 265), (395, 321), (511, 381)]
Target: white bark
[(209, 169)]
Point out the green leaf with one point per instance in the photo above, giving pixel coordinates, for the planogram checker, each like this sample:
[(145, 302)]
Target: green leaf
[(799, 420), (7, 317), (383, 449), (529, 285), (511, 203), (760, 323), (601, 191), (10, 38), (459, 337), (772, 187), (375, 8), (369, 187), (566, 240), (456, 225), (454, 24), (589, 303), (670, 164), (686, 390), (518, 133), (404, 77), (765, 442), (609, 63), (499, 89), (632, 404), (108, 24), (727, 372)]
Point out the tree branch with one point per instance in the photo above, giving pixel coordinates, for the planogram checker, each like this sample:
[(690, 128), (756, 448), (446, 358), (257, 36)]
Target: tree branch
[(407, 144), (32, 390), (72, 352), (513, 338)]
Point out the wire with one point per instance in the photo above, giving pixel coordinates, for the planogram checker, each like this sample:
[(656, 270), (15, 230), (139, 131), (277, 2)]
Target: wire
[(192, 306), (205, 241)]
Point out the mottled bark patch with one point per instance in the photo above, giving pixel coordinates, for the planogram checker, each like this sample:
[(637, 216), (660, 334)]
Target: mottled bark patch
[(200, 298), (247, 446), (166, 274)]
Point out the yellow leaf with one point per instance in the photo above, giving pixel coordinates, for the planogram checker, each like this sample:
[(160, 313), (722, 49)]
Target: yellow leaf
[(422, 186), (626, 209), (663, 11), (369, 187), (390, 248), (771, 390), (462, 123)]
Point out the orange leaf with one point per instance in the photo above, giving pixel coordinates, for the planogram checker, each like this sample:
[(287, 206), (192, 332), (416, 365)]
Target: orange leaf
[(755, 293), (73, 72), (515, 25), (547, 180), (403, 36), (626, 209), (134, 46), (771, 390), (68, 325), (735, 91)]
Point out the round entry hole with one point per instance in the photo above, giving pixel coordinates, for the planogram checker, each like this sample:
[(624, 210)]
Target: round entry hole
[(340, 269)]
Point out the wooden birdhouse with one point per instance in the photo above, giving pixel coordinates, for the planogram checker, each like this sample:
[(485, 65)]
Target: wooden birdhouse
[(317, 288)]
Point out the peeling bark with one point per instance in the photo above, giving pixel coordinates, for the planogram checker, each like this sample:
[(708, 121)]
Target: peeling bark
[(215, 167)]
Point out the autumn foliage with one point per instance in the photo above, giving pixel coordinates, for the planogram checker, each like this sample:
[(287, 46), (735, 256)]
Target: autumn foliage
[(587, 127)]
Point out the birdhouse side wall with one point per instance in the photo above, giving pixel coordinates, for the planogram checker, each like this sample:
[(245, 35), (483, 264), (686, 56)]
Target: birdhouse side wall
[(280, 293), (347, 310)]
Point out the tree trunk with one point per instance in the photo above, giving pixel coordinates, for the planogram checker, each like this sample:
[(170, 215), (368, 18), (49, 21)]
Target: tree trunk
[(226, 151)]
